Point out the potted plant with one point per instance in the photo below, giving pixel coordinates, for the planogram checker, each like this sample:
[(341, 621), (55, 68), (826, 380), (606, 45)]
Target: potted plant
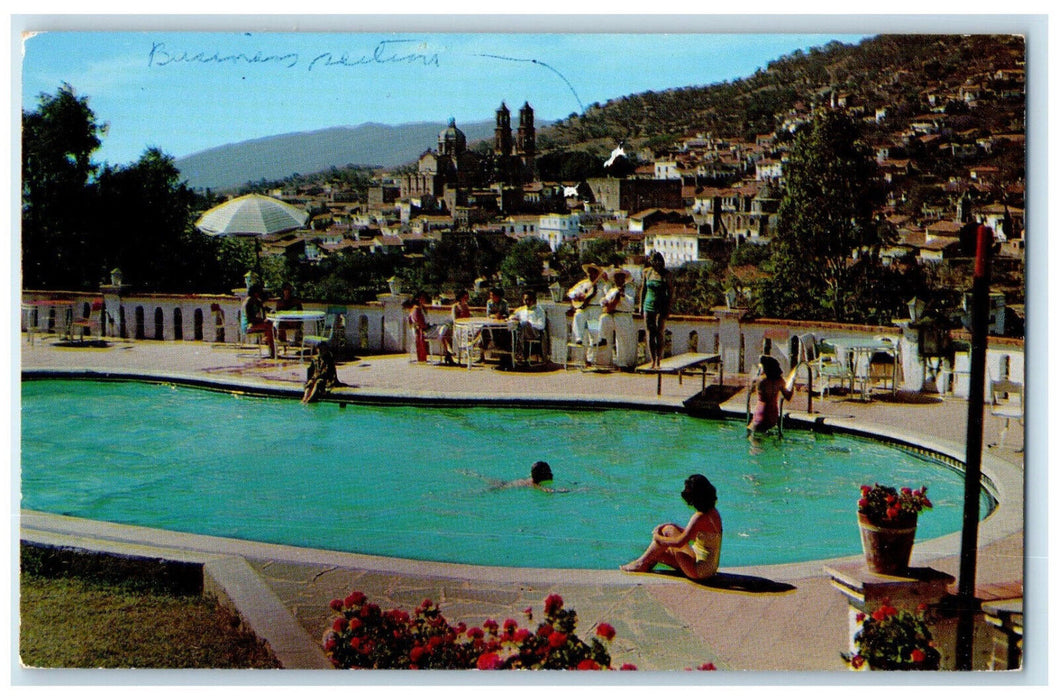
[(888, 519), (894, 640)]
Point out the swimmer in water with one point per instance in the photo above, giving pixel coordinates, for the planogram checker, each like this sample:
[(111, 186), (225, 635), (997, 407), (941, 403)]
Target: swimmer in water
[(540, 478)]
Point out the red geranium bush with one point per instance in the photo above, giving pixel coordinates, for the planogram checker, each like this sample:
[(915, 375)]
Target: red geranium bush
[(895, 640), (364, 636)]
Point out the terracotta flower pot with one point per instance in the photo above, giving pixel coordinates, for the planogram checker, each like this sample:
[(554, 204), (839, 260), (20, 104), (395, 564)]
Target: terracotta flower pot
[(887, 550)]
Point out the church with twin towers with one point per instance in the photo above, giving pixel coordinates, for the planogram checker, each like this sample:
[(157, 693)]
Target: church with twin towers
[(454, 176)]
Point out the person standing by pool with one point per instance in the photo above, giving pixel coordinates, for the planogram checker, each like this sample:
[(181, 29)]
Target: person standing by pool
[(417, 319), (581, 296), (768, 385), (617, 305), (655, 299), (694, 550), (460, 309)]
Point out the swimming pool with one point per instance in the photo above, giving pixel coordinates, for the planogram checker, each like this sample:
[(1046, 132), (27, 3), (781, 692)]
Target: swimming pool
[(414, 482)]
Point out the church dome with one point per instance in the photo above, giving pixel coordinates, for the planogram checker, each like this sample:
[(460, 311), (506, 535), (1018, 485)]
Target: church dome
[(451, 140)]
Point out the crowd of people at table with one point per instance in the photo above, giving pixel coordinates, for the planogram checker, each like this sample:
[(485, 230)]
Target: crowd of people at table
[(602, 304)]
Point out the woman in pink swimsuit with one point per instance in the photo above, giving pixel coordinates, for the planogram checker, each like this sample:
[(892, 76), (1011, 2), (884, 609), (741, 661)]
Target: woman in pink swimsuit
[(769, 384)]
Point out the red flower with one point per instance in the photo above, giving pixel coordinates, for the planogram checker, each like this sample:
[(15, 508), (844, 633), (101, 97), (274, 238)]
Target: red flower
[(628, 667), (416, 654), (918, 656), (865, 490), (491, 626), (556, 639), (857, 661), (708, 666), (892, 512), (906, 491), (336, 604), (860, 617), (330, 644), (862, 503), (587, 665), (605, 630), (879, 615), (553, 604), (489, 661), (355, 625), (510, 625), (475, 633), (521, 635), (355, 599), (545, 629), (340, 624)]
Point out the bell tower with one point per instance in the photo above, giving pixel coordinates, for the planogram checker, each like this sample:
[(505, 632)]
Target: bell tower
[(527, 134), (502, 138)]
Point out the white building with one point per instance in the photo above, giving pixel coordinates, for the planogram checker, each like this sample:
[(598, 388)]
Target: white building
[(556, 229)]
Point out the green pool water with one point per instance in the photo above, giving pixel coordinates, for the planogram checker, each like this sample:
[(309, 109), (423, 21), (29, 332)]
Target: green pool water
[(415, 482)]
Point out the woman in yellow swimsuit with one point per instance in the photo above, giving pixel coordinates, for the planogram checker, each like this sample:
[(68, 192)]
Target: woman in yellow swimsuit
[(694, 550)]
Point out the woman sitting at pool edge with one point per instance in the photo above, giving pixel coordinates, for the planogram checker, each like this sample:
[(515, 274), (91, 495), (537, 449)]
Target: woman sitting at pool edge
[(694, 550)]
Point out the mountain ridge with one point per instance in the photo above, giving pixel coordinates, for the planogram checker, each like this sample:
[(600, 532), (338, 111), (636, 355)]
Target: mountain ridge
[(276, 157)]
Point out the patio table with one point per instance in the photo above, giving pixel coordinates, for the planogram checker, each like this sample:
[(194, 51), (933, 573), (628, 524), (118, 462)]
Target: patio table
[(465, 330), (856, 353), (295, 316)]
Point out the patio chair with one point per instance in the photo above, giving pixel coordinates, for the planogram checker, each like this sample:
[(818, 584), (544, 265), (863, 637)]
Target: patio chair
[(882, 368), (31, 322), (435, 346), (88, 324), (534, 347), (831, 368), (253, 339), (1007, 403), (332, 320)]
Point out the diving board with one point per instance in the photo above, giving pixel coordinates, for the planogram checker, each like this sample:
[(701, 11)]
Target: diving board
[(686, 363)]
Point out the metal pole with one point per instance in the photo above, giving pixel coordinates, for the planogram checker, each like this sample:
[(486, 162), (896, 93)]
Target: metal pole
[(968, 605)]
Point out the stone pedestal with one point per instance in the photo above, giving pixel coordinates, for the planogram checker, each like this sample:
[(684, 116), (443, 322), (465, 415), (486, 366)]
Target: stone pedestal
[(112, 308), (558, 330), (729, 332), (865, 591), (394, 329)]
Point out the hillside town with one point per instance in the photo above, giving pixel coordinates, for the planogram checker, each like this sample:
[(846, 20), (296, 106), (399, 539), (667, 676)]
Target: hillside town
[(705, 191)]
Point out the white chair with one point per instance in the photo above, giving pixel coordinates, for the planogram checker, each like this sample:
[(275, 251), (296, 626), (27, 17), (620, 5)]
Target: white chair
[(1007, 403), (831, 368)]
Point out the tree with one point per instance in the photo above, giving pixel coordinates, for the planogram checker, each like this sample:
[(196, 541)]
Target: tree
[(58, 140), (522, 267), (144, 218), (828, 235)]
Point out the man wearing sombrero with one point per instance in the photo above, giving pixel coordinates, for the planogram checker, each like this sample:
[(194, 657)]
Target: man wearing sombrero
[(617, 336), (582, 297)]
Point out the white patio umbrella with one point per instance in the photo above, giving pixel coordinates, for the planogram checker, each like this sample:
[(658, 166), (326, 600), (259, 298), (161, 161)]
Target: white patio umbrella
[(251, 215)]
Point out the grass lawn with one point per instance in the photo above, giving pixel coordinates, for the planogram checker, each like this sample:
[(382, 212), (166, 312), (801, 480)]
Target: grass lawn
[(75, 621)]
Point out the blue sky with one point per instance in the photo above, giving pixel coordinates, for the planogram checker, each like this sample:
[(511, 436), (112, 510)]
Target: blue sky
[(188, 91)]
